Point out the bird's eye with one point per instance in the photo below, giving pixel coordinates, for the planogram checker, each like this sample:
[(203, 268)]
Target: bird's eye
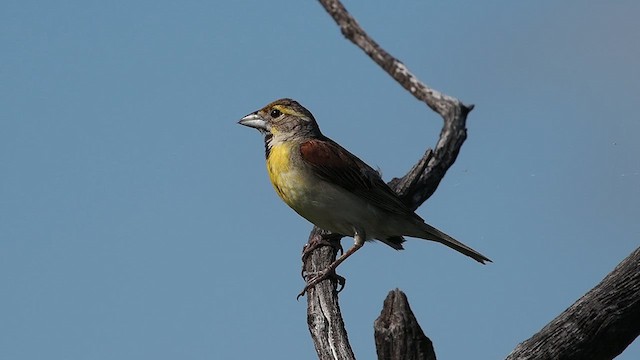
[(275, 113)]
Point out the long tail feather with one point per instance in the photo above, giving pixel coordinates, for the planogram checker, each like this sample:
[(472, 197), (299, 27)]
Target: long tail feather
[(431, 233)]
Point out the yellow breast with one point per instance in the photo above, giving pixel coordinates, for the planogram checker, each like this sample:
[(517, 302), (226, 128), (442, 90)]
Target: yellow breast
[(287, 180), (329, 207)]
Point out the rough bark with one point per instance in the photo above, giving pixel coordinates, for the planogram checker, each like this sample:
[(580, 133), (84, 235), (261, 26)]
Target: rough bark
[(600, 325), (397, 332), (323, 311)]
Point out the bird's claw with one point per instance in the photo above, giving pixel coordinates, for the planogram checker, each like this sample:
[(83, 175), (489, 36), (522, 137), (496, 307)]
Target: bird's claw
[(316, 278), (332, 240)]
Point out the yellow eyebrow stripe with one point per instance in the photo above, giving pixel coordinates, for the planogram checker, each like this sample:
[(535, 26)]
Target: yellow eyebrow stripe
[(289, 111)]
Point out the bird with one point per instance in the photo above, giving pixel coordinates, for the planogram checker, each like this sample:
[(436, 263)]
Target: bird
[(332, 188)]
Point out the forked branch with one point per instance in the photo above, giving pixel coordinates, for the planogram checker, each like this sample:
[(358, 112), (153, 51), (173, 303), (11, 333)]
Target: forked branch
[(600, 325), (323, 310)]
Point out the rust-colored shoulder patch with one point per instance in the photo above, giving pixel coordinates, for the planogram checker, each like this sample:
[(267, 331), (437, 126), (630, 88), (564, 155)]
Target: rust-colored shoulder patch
[(332, 163), (324, 153)]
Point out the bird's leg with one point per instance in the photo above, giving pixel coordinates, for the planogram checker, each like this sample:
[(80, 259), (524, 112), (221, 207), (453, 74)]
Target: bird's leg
[(324, 239), (358, 241)]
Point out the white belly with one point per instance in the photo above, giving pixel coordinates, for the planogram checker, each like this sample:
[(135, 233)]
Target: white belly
[(339, 211)]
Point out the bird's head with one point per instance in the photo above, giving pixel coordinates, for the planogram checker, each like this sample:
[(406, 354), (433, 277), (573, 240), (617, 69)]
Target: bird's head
[(283, 119)]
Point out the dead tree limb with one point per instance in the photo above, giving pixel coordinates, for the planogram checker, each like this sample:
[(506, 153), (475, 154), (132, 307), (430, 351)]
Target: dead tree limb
[(323, 311), (599, 326), (397, 332)]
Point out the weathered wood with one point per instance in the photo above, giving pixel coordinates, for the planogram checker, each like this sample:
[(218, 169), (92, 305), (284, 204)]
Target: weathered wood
[(600, 325), (397, 332), (323, 311)]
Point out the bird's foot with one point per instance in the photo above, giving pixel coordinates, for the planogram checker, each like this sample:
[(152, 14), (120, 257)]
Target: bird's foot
[(315, 278), (332, 240)]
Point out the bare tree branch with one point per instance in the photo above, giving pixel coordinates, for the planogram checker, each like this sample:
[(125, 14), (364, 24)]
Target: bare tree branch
[(438, 102), (323, 309), (323, 312), (600, 325)]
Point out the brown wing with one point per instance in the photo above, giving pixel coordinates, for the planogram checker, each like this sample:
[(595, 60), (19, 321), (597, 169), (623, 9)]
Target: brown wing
[(336, 165)]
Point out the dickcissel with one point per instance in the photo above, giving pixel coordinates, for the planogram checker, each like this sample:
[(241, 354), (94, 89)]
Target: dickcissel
[(334, 189)]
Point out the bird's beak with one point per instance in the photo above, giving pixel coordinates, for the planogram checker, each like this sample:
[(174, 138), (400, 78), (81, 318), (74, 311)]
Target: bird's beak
[(255, 121)]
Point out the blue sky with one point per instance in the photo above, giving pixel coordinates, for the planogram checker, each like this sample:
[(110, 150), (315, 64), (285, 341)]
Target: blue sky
[(137, 220)]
